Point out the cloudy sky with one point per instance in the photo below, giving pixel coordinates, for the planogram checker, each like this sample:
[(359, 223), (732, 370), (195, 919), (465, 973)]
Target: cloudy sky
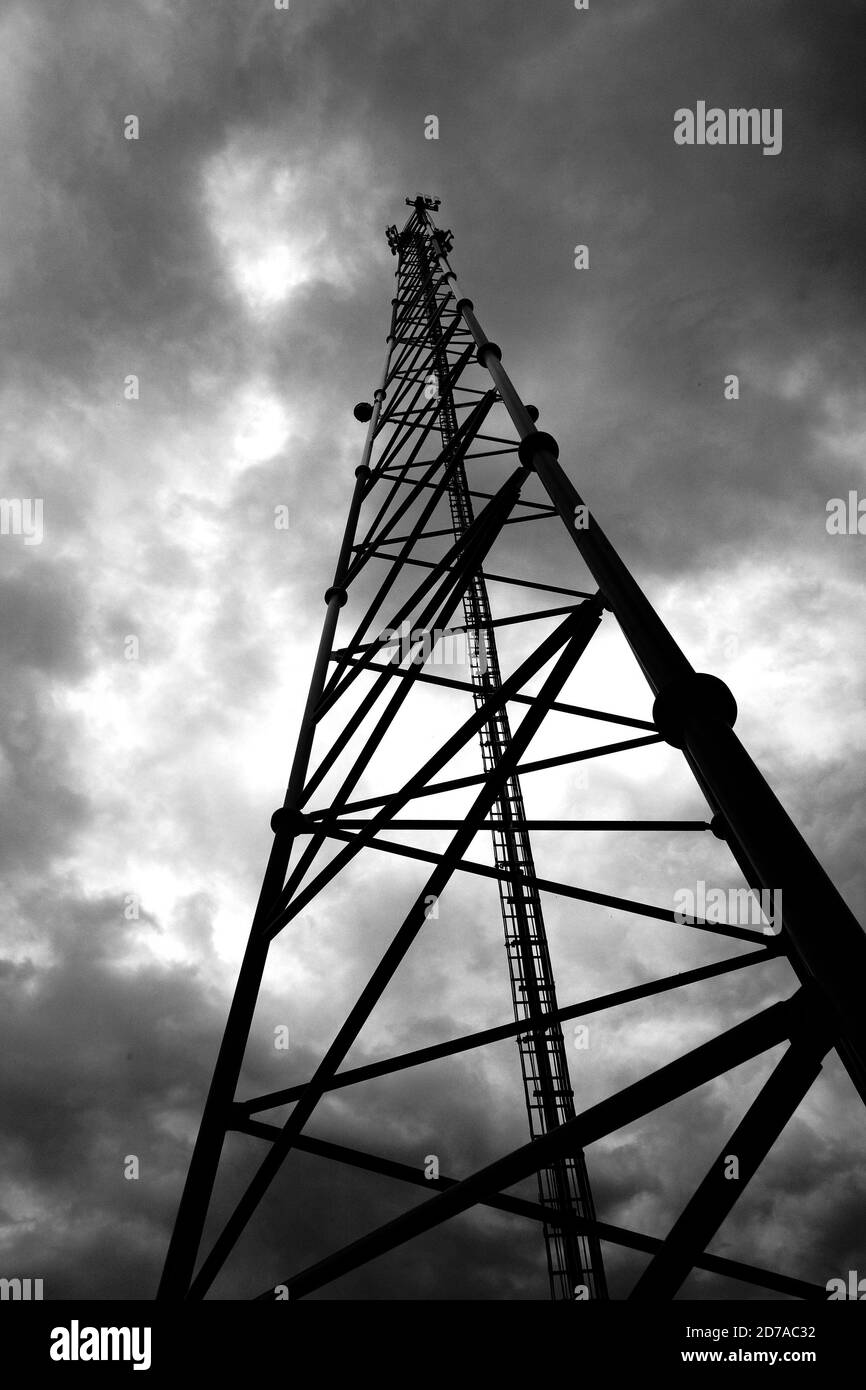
[(158, 638)]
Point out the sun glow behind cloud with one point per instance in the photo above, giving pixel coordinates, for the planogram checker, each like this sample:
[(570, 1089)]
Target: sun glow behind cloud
[(274, 224), (262, 426)]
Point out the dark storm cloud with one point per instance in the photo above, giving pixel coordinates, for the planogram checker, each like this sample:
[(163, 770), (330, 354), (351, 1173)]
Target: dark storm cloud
[(145, 257), (104, 1063)]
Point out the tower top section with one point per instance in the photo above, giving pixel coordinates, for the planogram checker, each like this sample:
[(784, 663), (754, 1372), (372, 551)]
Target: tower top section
[(421, 204), (424, 200)]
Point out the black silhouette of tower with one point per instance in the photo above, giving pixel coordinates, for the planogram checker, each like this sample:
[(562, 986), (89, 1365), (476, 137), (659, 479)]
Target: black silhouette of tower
[(413, 523)]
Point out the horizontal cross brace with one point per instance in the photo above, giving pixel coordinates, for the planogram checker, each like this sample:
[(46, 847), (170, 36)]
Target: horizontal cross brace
[(418, 634), (537, 1025), (447, 531), (487, 496), (405, 415), (540, 765), (495, 578), (534, 1211), (546, 885), (556, 706), (392, 469), (403, 824)]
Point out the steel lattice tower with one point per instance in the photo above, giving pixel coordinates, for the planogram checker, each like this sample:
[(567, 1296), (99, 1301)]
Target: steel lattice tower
[(423, 401)]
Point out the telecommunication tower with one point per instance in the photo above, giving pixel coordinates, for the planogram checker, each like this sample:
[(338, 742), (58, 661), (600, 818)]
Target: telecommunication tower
[(417, 528)]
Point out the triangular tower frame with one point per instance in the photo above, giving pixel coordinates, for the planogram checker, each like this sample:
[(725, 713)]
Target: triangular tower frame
[(434, 337)]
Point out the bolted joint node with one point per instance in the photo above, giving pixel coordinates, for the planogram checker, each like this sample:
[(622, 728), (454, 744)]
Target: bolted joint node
[(489, 349), (462, 303), (363, 411), (336, 592), (533, 412), (288, 820), (720, 827), (535, 443), (696, 696), (362, 471)]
